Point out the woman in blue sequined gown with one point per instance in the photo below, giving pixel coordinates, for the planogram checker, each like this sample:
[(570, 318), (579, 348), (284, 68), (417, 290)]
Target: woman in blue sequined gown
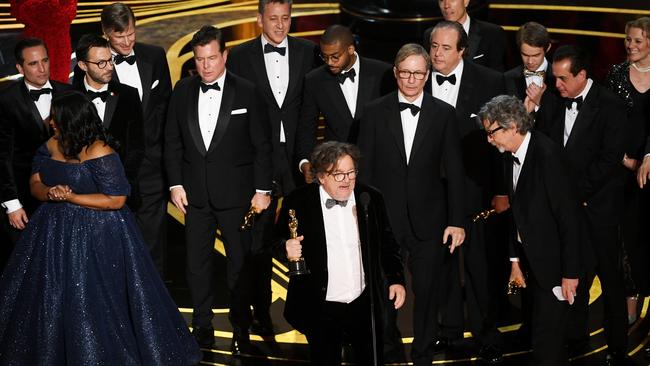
[(80, 287)]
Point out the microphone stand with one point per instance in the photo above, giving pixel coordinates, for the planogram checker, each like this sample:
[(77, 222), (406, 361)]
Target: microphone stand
[(365, 201)]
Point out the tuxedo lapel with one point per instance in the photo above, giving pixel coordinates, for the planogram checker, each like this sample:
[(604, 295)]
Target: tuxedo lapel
[(257, 62), (145, 69), (31, 106), (427, 114), (474, 39), (111, 105), (520, 83), (508, 176), (587, 113), (296, 55), (225, 110), (192, 106), (395, 125), (366, 80), (333, 88), (526, 173)]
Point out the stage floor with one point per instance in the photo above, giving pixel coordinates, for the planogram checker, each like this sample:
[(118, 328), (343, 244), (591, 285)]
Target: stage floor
[(289, 347)]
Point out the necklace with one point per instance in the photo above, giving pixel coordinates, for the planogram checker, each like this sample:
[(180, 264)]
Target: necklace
[(641, 69)]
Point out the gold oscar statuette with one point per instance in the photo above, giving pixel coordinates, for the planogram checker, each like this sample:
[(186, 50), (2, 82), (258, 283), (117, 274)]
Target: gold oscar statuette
[(248, 219), (297, 266), (483, 215)]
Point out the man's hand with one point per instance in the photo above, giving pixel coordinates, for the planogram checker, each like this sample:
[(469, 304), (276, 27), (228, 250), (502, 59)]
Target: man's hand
[(18, 219), (179, 198), (516, 275), (500, 203), (569, 286), (643, 174), (260, 202), (631, 164), (534, 92), (397, 292), (293, 247), (305, 169), (457, 237)]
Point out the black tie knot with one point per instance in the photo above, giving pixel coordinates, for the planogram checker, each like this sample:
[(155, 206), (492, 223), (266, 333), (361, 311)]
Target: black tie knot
[(205, 87), (35, 94), (118, 59), (568, 102), (516, 160), (268, 48), (102, 94), (441, 79), (414, 109), (329, 203), (344, 75)]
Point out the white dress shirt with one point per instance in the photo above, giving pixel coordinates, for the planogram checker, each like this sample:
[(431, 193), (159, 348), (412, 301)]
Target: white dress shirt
[(277, 71), (129, 74), (209, 107), (100, 105), (345, 276), (350, 88), (570, 115), (409, 122), (466, 24), (536, 78), (447, 92)]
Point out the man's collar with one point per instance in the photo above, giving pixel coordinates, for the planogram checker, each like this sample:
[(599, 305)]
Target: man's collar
[(90, 88), (31, 87), (416, 102), (284, 42), (520, 154), (458, 70)]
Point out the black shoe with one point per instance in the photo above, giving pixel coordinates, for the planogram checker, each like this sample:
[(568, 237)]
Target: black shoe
[(441, 345), (262, 328), (491, 354), (204, 336), (240, 344), (615, 358)]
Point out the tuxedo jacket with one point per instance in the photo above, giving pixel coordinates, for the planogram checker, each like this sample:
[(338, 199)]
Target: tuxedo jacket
[(323, 96), (156, 90), (238, 159), (123, 120), (546, 213), (478, 84), (593, 151), (306, 293), (487, 45), (417, 198), (22, 132), (247, 61)]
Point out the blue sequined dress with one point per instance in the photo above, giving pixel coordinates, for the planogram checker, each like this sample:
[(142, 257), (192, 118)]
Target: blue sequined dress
[(80, 287)]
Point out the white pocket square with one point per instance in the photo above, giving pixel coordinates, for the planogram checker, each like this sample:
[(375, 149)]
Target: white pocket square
[(472, 115), (478, 56), (239, 111), (155, 84)]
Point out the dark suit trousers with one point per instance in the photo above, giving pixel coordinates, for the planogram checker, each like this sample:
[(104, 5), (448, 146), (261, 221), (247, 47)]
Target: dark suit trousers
[(332, 321), (425, 262), (200, 231), (604, 240), (152, 213)]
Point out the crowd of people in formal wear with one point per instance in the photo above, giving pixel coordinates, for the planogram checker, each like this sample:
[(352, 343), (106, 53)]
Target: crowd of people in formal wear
[(415, 156)]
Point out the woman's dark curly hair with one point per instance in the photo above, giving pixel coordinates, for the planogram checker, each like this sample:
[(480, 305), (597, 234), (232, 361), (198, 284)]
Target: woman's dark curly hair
[(78, 123)]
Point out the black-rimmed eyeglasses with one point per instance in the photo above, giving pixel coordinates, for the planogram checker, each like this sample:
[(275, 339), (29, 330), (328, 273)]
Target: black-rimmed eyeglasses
[(101, 63), (417, 75), (491, 133)]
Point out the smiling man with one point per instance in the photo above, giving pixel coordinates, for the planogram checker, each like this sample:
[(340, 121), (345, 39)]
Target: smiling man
[(407, 138), (226, 135)]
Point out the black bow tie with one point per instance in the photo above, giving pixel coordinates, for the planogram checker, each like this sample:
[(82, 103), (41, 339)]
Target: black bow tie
[(268, 48), (206, 87), (102, 94), (568, 102), (118, 59), (414, 109), (534, 73), (329, 203), (441, 79), (344, 75), (516, 160), (36, 93)]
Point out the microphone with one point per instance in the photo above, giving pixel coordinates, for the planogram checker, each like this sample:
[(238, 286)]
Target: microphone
[(365, 201)]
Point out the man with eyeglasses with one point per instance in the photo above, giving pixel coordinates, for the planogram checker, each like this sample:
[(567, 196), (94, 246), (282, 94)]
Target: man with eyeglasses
[(348, 247), (24, 127), (143, 67), (338, 91), (411, 152), (118, 106), (466, 86), (276, 63)]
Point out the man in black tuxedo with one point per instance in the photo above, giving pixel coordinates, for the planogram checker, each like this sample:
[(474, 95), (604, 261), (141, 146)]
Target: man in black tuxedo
[(118, 106), (335, 218), (276, 63), (487, 42), (24, 118), (546, 230), (218, 156), (467, 86), (532, 81), (143, 67), (408, 141), (338, 91), (589, 124)]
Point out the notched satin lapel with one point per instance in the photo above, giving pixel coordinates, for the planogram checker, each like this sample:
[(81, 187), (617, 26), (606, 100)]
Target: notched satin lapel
[(193, 115), (425, 121), (586, 114), (257, 62), (111, 105), (474, 39), (366, 81), (395, 125), (295, 58), (31, 105), (146, 72), (225, 111)]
